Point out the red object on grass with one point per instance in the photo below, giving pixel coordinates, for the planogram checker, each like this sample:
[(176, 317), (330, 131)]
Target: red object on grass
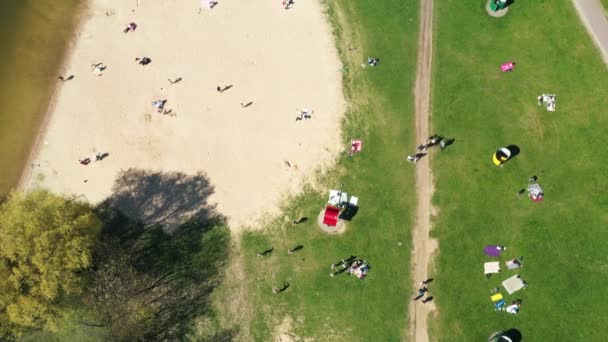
[(537, 199), (331, 215)]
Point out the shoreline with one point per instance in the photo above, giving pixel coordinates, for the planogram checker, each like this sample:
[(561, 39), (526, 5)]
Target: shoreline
[(26, 170)]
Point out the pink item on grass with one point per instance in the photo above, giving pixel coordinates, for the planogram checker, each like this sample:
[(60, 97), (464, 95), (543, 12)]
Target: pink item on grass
[(508, 66), (355, 146)]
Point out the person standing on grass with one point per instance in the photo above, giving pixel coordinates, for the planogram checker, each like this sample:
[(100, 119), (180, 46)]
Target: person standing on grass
[(276, 290), (295, 249), (300, 220), (415, 158), (265, 253)]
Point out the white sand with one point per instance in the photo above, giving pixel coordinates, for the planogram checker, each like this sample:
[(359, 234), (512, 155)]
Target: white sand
[(279, 59)]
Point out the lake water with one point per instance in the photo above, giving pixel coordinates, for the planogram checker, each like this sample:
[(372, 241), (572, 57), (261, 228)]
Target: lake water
[(34, 36)]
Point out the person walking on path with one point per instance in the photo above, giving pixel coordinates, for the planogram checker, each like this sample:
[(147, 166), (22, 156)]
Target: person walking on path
[(433, 140), (421, 291), (415, 158)]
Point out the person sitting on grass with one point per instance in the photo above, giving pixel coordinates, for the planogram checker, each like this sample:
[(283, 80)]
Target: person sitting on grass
[(371, 61)]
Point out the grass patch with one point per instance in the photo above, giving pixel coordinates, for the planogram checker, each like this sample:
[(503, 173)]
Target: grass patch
[(604, 4), (381, 112), (562, 239)]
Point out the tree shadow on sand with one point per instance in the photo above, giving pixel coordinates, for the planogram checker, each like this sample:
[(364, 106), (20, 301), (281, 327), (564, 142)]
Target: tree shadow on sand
[(160, 255), (156, 198)]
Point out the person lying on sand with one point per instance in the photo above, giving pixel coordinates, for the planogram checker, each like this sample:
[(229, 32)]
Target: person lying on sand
[(159, 104), (98, 68), (143, 60)]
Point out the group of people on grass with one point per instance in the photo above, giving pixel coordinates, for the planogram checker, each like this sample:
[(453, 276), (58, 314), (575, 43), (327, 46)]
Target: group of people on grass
[(352, 266)]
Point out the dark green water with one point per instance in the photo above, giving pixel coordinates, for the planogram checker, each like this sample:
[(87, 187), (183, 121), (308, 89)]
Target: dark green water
[(34, 36)]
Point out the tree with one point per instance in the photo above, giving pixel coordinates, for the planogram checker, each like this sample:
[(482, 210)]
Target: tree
[(45, 243)]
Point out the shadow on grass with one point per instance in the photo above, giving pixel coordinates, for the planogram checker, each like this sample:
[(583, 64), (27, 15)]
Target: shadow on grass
[(513, 335), (159, 257), (514, 149), (349, 213)]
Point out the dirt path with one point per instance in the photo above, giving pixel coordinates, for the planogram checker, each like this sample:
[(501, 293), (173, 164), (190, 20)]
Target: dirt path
[(424, 246), (593, 16)]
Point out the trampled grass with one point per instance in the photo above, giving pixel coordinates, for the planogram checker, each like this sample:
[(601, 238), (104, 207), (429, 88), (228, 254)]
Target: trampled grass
[(563, 239), (381, 113)]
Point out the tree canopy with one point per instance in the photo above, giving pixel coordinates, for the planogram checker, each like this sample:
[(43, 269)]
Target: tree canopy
[(45, 242)]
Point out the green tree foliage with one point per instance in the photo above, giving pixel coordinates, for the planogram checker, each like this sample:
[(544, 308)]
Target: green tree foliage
[(158, 258), (45, 243), (154, 288)]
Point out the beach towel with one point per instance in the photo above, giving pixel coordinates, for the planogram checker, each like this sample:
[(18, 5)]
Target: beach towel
[(491, 267), (508, 66), (513, 284), (492, 250)]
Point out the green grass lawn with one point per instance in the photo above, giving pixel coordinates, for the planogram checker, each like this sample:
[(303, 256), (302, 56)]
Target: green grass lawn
[(563, 239), (381, 112), (605, 4)]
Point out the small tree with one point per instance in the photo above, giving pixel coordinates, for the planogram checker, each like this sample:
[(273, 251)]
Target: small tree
[(45, 241)]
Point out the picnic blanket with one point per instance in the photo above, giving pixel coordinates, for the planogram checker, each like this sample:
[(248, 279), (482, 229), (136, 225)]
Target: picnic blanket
[(491, 267), (513, 264), (356, 145), (547, 100), (337, 198), (513, 284), (492, 250), (499, 302)]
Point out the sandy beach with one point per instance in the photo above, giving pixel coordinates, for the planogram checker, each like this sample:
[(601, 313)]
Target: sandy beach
[(277, 59)]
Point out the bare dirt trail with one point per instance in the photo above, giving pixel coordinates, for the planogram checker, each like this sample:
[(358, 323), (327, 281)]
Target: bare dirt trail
[(424, 246), (594, 18)]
